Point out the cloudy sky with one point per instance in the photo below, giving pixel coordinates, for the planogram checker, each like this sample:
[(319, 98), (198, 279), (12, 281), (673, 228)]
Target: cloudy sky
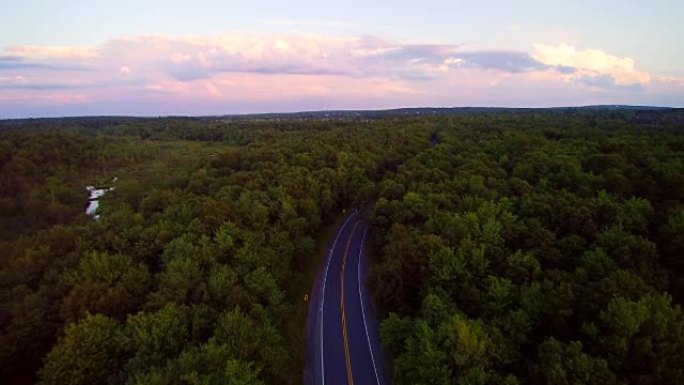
[(202, 57)]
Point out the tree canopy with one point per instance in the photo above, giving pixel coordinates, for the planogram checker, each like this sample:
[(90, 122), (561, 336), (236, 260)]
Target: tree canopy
[(510, 247)]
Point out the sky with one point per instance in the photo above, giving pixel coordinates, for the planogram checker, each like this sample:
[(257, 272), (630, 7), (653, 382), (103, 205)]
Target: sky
[(209, 57)]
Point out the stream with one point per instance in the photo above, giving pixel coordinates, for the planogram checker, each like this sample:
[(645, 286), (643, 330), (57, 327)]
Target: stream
[(94, 199)]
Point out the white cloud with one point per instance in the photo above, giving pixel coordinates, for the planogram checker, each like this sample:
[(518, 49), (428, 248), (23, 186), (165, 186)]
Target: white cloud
[(591, 63), (53, 52), (671, 80), (452, 61)]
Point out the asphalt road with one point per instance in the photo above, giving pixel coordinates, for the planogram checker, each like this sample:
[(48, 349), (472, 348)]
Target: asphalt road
[(344, 346)]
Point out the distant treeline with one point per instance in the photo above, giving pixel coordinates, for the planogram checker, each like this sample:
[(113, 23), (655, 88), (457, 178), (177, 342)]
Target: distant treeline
[(603, 111)]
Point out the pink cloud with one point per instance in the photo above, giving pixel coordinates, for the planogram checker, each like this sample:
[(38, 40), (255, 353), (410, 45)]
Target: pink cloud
[(237, 72), (53, 52), (592, 63)]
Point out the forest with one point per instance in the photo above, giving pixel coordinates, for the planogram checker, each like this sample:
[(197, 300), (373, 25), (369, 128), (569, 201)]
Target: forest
[(508, 247), (536, 249), (196, 269)]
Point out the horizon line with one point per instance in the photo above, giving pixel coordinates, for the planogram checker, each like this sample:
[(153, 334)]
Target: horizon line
[(256, 114)]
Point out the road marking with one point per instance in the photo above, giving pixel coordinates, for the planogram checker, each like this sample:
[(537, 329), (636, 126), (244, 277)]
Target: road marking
[(363, 313), (325, 278), (347, 357)]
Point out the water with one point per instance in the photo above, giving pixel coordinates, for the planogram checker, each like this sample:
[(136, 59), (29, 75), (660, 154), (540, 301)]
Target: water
[(94, 199)]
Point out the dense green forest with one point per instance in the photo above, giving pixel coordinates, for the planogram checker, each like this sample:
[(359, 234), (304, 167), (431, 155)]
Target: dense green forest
[(536, 249), (540, 247), (196, 270)]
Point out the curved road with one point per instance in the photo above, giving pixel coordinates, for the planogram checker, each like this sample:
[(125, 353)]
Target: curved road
[(344, 346)]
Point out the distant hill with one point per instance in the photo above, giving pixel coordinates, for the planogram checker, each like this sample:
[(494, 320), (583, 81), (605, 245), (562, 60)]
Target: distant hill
[(621, 107), (100, 121), (424, 111)]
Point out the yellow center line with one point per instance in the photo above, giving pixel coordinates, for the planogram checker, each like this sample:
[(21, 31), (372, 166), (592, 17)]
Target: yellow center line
[(347, 357)]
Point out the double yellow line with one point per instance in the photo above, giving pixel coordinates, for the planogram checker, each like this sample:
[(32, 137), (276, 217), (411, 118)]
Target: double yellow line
[(347, 357)]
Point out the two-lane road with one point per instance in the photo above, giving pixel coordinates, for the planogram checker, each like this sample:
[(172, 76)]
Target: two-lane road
[(344, 347)]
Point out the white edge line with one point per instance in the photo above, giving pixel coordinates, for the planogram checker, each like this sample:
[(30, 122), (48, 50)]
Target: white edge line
[(363, 313), (325, 278)]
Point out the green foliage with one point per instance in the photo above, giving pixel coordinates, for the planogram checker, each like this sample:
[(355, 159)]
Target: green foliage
[(566, 364), (109, 284), (196, 248), (155, 337), (643, 338), (424, 360), (88, 353), (524, 247), (555, 244), (466, 342)]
